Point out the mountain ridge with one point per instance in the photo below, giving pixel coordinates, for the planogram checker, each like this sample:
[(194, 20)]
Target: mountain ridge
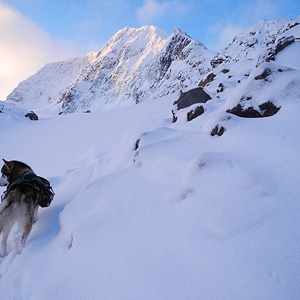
[(143, 54), (142, 64)]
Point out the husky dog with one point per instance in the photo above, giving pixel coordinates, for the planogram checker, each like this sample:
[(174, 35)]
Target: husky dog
[(19, 204)]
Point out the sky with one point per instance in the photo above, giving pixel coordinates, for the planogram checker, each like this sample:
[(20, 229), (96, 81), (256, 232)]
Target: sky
[(36, 32)]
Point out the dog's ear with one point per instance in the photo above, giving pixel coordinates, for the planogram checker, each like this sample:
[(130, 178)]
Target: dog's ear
[(5, 162)]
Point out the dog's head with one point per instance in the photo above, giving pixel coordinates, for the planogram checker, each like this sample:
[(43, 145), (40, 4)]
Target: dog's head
[(6, 172), (11, 170)]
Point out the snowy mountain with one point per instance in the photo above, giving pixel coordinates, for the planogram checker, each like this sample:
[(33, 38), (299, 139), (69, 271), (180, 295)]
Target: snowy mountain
[(251, 43), (254, 76), (201, 204), (134, 65)]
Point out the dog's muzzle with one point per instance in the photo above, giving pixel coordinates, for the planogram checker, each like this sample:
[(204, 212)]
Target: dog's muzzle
[(4, 181)]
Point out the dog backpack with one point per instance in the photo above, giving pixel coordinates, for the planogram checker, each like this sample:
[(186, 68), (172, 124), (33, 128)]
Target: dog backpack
[(45, 193)]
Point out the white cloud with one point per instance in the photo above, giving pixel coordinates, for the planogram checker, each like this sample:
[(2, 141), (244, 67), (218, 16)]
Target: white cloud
[(260, 9), (242, 16), (152, 10), (221, 36), (24, 48), (228, 33)]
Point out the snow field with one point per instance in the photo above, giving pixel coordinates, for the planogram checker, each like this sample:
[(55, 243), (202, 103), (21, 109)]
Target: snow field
[(184, 216)]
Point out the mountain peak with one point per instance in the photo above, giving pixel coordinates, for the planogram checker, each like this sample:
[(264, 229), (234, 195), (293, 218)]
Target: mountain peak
[(176, 30)]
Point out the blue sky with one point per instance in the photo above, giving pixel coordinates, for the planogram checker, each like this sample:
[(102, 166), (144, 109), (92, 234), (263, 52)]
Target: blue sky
[(40, 31)]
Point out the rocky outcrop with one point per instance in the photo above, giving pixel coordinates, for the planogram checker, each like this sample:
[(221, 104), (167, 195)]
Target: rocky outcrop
[(187, 99), (193, 114), (217, 130), (271, 53), (32, 116), (209, 78), (266, 109)]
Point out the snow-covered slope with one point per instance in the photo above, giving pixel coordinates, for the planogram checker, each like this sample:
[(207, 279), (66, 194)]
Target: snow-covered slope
[(150, 209), (178, 215), (49, 84), (10, 113), (134, 65)]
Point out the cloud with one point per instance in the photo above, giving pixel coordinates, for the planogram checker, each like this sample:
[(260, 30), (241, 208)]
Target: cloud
[(152, 10), (228, 33), (220, 36), (261, 9), (24, 48), (238, 19)]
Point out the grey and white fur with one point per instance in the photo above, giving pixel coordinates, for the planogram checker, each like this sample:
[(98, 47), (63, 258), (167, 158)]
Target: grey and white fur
[(19, 205)]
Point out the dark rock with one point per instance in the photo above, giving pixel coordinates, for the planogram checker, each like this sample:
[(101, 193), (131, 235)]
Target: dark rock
[(225, 71), (246, 98), (217, 61), (218, 130), (249, 112), (291, 26), (32, 116), (282, 44), (266, 109), (221, 88), (264, 75), (175, 118), (137, 144), (210, 77), (193, 114), (191, 97), (194, 96)]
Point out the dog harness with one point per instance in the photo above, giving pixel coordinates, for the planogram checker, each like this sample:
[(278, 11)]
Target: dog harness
[(40, 184)]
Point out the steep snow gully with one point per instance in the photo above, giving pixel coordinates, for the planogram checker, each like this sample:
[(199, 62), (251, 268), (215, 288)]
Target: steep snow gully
[(149, 206)]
